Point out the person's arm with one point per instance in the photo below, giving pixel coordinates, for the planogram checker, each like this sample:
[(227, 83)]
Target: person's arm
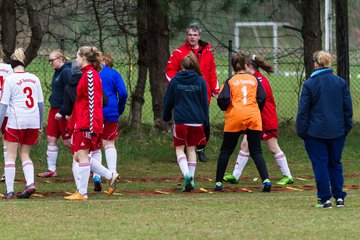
[(173, 66), (348, 110), (121, 92), (41, 113), (260, 95), (214, 85), (302, 119), (168, 102), (65, 78), (3, 109), (205, 103)]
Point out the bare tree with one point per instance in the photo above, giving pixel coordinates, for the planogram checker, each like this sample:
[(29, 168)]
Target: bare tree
[(9, 31), (157, 33)]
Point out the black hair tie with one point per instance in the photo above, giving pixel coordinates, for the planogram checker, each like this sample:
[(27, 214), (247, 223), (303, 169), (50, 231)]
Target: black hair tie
[(15, 63)]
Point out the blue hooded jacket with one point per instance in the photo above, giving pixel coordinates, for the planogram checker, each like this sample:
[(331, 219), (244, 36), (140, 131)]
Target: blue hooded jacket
[(114, 88), (60, 80), (187, 95), (325, 107)]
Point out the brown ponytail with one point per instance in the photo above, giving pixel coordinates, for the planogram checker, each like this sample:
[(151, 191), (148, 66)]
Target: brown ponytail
[(258, 61)]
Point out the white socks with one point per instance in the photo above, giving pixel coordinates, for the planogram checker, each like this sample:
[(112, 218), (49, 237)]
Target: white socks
[(75, 170), (28, 169), (280, 159), (84, 174), (97, 156), (183, 164), (241, 162), (9, 176), (111, 158), (52, 154), (97, 168), (192, 168)]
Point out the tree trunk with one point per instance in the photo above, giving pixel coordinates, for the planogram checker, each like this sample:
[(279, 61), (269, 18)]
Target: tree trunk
[(342, 39), (137, 98), (158, 53), (8, 27), (36, 32), (311, 32)]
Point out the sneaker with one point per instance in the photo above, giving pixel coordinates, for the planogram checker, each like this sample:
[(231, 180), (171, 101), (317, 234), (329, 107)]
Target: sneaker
[(9, 195), (218, 186), (201, 155), (76, 197), (47, 174), (340, 202), (187, 183), (285, 180), (112, 183), (2, 179), (97, 184), (267, 185), (228, 177), (326, 204), (29, 190)]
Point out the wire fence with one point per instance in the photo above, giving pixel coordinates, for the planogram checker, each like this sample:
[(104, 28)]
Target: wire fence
[(286, 82)]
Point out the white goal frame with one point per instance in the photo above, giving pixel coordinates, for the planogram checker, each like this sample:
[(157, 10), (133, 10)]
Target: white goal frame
[(273, 25)]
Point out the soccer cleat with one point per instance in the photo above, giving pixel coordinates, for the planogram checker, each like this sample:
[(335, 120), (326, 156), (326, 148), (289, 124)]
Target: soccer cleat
[(340, 202), (29, 190), (201, 155), (112, 183), (218, 186), (2, 179), (228, 177), (76, 197), (192, 184), (321, 204), (187, 183), (47, 174), (267, 185), (97, 184), (9, 195), (285, 180)]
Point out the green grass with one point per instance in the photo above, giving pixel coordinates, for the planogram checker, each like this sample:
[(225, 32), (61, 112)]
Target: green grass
[(136, 212)]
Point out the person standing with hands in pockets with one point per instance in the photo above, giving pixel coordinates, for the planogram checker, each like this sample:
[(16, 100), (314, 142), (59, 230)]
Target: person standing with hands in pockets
[(324, 119), (204, 54)]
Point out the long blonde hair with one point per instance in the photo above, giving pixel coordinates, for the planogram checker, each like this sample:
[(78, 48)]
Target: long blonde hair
[(92, 55), (191, 62)]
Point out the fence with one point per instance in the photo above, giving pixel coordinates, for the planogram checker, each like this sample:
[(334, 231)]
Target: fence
[(286, 83)]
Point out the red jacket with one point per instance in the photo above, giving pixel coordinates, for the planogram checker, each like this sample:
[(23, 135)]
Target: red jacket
[(87, 113), (268, 114), (207, 65)]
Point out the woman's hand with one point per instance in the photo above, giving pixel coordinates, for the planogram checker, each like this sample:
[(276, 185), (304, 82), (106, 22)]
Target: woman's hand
[(58, 116)]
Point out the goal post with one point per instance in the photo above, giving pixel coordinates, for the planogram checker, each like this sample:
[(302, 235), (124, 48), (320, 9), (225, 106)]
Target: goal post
[(273, 25)]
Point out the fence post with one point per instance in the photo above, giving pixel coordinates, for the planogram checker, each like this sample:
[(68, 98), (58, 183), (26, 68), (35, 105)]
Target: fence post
[(230, 56), (62, 44)]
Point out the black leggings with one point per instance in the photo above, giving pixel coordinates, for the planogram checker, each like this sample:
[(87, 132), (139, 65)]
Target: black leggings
[(229, 144), (207, 135)]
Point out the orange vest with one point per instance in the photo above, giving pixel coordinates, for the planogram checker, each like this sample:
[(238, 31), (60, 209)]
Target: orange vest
[(243, 111)]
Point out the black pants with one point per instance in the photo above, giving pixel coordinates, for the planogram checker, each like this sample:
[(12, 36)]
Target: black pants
[(207, 135), (229, 144)]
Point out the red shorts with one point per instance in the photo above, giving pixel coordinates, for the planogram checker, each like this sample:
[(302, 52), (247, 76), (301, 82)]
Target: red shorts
[(268, 135), (3, 126), (56, 128), (111, 131), (84, 140), (22, 136), (188, 135)]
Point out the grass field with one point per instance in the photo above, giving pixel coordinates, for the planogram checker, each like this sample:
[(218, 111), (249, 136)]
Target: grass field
[(148, 203)]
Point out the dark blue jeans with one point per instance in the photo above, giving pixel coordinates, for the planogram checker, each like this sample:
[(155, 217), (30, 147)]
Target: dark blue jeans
[(325, 156)]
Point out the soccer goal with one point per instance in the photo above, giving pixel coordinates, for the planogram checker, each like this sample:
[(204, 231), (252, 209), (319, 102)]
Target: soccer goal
[(273, 25)]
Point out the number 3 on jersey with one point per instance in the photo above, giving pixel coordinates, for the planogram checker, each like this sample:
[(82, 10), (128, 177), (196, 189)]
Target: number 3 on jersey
[(30, 101)]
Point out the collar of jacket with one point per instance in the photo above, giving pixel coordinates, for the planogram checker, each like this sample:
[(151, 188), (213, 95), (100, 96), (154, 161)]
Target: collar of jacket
[(201, 44), (87, 68), (321, 71)]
